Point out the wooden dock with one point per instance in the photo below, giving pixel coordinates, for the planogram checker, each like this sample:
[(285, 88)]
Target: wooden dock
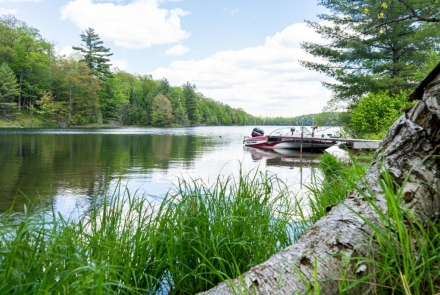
[(360, 143)]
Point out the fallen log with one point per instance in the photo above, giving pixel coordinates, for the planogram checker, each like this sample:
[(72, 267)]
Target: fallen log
[(319, 258)]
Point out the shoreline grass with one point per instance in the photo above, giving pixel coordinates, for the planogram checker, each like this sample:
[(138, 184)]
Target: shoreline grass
[(200, 235), (197, 236), (407, 259)]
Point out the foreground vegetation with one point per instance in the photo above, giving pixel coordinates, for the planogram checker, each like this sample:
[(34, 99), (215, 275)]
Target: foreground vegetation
[(126, 244), (407, 260), (200, 235)]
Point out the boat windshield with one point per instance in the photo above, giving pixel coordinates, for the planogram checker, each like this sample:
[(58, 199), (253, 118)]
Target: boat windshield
[(291, 131)]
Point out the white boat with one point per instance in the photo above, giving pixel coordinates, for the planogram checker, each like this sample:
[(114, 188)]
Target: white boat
[(290, 138)]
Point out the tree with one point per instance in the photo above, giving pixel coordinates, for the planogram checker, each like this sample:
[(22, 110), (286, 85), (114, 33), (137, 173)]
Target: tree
[(74, 84), (176, 97), (8, 36), (162, 112), (368, 51), (191, 103), (25, 51), (112, 98), (178, 104), (52, 109), (8, 87), (30, 54), (340, 245), (375, 114), (416, 10), (95, 56)]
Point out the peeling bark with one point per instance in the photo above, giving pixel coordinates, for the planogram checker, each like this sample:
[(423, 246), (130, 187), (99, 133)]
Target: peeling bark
[(407, 151)]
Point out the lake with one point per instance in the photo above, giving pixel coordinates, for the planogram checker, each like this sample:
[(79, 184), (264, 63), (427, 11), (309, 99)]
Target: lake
[(68, 168)]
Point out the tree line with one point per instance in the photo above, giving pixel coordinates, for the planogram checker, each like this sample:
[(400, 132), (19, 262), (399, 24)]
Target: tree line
[(82, 89)]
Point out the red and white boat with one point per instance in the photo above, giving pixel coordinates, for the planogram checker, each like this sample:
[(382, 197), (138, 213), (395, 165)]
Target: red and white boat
[(289, 138)]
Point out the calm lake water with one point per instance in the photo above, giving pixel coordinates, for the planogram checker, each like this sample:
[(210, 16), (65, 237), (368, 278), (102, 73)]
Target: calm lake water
[(67, 168)]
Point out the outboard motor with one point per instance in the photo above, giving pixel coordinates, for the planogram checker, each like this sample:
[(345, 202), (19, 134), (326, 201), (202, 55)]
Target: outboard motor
[(257, 132)]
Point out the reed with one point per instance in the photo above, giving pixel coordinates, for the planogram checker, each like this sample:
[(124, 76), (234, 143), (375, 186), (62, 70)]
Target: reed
[(193, 238), (201, 234), (103, 252), (222, 230)]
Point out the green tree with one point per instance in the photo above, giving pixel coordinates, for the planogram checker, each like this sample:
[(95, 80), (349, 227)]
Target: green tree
[(8, 88), (189, 92), (372, 46), (95, 55), (74, 84), (415, 10), (176, 98), (26, 52), (133, 107), (30, 55), (8, 36), (375, 114), (431, 61), (112, 99), (162, 112), (52, 109), (178, 104)]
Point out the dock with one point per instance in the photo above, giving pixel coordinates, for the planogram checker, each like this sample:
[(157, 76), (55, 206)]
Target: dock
[(359, 143)]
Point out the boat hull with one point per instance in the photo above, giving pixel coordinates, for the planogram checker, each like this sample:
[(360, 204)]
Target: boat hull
[(287, 143)]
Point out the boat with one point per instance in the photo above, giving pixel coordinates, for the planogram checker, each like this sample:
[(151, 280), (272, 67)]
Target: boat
[(283, 157), (290, 138)]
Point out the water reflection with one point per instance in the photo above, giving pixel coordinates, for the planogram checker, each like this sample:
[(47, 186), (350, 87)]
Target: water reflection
[(68, 168), (284, 157)]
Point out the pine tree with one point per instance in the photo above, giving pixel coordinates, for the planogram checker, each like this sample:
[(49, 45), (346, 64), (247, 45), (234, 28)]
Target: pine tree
[(8, 88), (95, 55), (371, 46)]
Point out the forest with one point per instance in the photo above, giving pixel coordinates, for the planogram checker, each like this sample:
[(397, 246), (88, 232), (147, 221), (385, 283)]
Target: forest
[(83, 89)]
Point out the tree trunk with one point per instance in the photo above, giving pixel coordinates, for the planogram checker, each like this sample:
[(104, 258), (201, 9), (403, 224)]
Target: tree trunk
[(19, 93), (407, 150)]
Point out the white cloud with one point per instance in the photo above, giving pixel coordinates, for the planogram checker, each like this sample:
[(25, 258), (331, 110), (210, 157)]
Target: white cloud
[(121, 64), (7, 11), (177, 50), (138, 24), (264, 81), (66, 50)]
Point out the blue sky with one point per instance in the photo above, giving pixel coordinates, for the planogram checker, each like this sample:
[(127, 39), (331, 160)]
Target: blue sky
[(243, 53)]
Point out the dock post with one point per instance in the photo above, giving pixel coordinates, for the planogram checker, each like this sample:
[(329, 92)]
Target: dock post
[(302, 132), (313, 131)]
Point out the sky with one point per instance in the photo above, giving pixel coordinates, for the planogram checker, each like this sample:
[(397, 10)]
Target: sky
[(244, 53)]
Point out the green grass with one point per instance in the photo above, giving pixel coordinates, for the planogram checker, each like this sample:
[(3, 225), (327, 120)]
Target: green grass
[(197, 236), (406, 259), (329, 190), (24, 120)]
